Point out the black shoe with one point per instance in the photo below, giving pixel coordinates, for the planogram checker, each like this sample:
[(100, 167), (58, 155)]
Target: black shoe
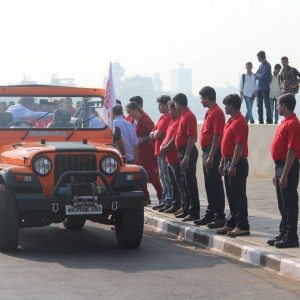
[(163, 209), (179, 212), (156, 207), (204, 220), (189, 218), (277, 238), (182, 215), (217, 223), (170, 210), (286, 243)]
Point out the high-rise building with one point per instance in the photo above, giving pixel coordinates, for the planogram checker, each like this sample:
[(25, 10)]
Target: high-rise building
[(181, 80), (157, 83)]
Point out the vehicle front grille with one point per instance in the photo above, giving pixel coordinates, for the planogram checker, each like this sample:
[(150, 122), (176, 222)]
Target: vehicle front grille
[(79, 162)]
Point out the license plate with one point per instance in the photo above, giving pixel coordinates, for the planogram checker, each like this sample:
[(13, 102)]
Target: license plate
[(71, 210)]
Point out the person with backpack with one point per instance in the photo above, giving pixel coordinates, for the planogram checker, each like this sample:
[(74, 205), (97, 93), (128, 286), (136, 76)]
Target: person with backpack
[(275, 92), (289, 77), (247, 91)]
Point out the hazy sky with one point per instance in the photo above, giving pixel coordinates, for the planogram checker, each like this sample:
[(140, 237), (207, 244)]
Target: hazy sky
[(79, 38)]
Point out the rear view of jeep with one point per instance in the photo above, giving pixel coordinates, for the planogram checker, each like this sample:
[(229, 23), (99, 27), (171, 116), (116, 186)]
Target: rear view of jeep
[(62, 166)]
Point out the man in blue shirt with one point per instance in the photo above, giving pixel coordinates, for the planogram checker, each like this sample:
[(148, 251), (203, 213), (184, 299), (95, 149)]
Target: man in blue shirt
[(264, 78), (128, 134)]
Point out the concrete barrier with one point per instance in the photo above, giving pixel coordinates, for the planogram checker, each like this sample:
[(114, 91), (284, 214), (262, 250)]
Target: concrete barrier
[(259, 141)]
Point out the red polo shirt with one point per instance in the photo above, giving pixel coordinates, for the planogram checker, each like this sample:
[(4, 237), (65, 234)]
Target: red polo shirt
[(172, 155), (287, 136), (161, 125), (214, 123), (187, 127), (235, 132)]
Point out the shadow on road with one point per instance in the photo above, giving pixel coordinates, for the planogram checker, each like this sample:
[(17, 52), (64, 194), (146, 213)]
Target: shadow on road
[(96, 248)]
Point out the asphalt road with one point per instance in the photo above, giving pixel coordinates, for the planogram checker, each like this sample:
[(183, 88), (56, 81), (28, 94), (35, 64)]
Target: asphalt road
[(53, 263)]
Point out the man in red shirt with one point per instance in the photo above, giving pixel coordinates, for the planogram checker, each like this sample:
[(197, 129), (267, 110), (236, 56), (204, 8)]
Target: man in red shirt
[(168, 150), (285, 151), (234, 166), (210, 141), (158, 134), (138, 100), (186, 137)]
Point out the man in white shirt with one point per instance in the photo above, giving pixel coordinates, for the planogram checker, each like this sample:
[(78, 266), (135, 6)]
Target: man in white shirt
[(247, 90), (24, 111), (275, 91)]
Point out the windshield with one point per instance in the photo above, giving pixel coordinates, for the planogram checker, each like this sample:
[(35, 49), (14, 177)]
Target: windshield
[(51, 112)]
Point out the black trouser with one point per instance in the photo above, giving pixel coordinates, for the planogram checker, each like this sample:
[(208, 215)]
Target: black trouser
[(236, 195), (263, 98), (192, 203), (288, 199), (214, 185), (175, 175)]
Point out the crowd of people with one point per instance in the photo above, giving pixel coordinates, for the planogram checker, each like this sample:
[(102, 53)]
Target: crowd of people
[(57, 113), (267, 87), (167, 150)]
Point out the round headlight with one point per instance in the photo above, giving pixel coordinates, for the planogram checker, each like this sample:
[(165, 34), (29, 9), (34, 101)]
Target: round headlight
[(42, 165), (109, 165)]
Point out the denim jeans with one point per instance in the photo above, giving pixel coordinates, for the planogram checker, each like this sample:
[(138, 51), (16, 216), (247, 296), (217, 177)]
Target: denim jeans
[(263, 98), (249, 104), (273, 105), (167, 196), (179, 195)]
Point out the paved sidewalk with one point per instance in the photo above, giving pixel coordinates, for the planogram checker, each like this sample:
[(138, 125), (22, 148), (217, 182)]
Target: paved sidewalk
[(264, 221)]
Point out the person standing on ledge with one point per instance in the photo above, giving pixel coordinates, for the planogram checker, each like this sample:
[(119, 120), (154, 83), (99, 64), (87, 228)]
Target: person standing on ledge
[(289, 77), (247, 91), (234, 167), (210, 141), (263, 77), (285, 151), (275, 91), (185, 139)]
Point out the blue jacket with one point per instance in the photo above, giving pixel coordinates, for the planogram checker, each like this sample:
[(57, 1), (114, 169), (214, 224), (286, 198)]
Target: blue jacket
[(264, 77)]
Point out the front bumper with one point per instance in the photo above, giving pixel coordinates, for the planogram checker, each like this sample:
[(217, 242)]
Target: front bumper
[(56, 205)]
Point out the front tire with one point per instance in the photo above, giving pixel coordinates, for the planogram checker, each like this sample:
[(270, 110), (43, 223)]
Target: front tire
[(74, 223), (9, 221), (129, 228)]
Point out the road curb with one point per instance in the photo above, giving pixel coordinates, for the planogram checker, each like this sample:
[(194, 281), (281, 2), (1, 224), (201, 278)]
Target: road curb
[(255, 255)]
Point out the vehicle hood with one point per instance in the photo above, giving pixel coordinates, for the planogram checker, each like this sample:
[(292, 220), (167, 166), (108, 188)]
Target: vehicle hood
[(23, 153)]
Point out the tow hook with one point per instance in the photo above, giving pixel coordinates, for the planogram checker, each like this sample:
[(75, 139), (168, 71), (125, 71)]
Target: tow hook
[(55, 207), (114, 205)]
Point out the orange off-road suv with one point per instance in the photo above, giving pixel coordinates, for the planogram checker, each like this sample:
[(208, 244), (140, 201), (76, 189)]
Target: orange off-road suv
[(65, 171)]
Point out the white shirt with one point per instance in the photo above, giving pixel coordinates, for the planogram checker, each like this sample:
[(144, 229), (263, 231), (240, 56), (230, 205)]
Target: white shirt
[(22, 113), (248, 87), (95, 122), (275, 91)]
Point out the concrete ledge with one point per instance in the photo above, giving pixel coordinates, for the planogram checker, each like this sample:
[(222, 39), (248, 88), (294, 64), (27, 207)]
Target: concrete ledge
[(246, 252)]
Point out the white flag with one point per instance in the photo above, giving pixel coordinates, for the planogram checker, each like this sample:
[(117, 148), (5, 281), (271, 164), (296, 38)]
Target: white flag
[(109, 99)]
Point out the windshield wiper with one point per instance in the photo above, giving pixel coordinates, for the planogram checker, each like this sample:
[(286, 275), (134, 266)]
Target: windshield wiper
[(31, 125), (78, 126)]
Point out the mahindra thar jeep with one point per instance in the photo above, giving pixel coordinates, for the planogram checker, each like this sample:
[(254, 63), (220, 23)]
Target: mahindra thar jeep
[(55, 167)]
